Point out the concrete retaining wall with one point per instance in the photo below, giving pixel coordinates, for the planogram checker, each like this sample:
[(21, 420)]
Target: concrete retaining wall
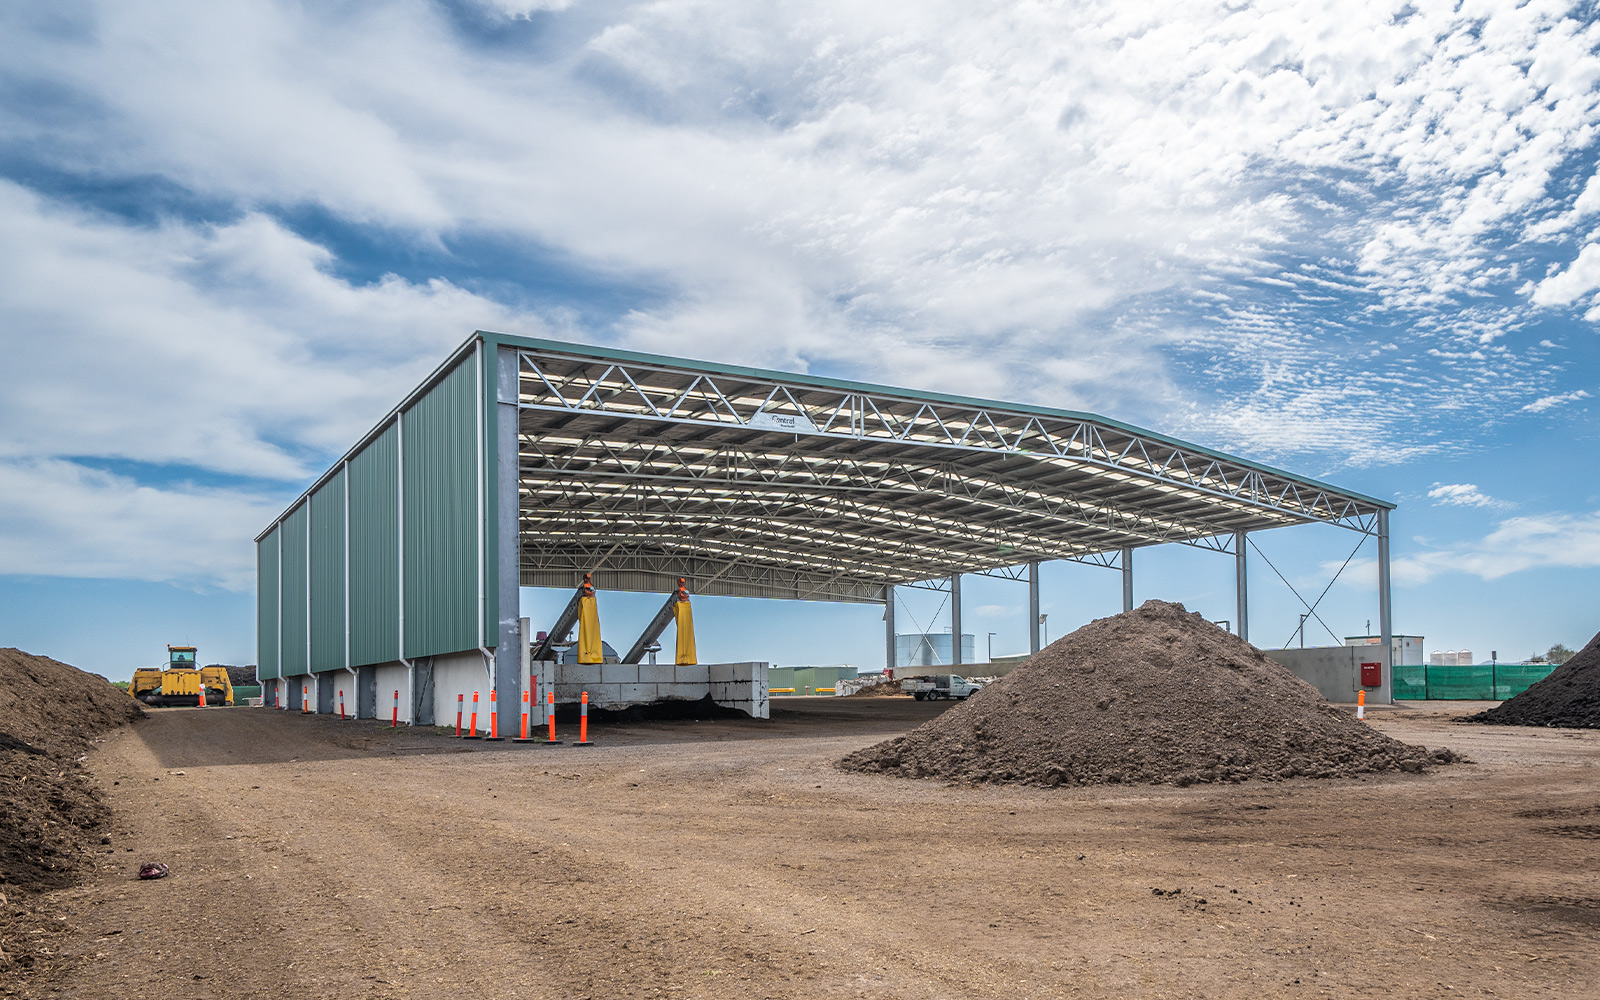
[(622, 685), (337, 684), (393, 677), (742, 686), (298, 690), (461, 674), (1335, 671)]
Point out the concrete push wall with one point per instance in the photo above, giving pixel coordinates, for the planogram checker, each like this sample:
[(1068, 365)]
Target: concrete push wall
[(392, 677), (742, 686), (462, 674), (1335, 671)]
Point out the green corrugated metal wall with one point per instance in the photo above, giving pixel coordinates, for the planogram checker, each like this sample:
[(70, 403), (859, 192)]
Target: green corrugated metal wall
[(267, 605), (375, 552), (327, 575), (293, 591), (437, 477), (440, 441)]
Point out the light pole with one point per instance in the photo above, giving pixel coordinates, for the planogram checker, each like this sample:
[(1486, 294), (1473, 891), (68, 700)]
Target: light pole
[(991, 647), (1302, 630), (1044, 632)]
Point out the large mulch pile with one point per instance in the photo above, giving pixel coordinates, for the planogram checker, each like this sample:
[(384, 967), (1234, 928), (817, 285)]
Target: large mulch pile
[(239, 676), (883, 689), (1150, 696), (50, 808), (1569, 697)]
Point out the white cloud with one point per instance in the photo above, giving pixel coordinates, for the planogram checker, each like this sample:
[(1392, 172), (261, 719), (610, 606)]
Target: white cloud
[(967, 185), (1549, 402), (1136, 209), (223, 351), (1519, 543), (522, 8), (61, 519), (1566, 287), (1462, 495)]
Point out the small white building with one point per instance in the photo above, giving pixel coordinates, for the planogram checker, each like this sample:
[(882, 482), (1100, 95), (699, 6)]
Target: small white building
[(1407, 649)]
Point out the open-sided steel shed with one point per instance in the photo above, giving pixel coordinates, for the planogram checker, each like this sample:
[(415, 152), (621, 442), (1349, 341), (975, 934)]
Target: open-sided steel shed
[(531, 462)]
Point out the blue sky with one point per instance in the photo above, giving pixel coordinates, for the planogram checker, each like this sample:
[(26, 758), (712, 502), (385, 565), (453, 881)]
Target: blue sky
[(1360, 241)]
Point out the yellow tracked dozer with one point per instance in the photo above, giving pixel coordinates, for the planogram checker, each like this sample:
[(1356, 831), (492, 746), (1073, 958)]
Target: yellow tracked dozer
[(182, 683)]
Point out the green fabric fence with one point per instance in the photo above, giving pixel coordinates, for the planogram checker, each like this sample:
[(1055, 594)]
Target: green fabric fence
[(1477, 682)]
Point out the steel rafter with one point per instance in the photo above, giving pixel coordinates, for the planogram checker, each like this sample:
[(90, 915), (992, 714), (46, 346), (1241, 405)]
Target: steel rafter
[(552, 382), (779, 485)]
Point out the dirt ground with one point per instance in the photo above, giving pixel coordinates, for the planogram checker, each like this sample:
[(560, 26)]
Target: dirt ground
[(314, 858)]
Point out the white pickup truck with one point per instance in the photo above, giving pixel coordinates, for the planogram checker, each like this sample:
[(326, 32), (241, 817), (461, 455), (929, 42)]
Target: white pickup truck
[(938, 686)]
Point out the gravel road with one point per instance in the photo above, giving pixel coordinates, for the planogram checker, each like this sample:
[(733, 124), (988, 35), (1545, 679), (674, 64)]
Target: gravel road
[(314, 858)]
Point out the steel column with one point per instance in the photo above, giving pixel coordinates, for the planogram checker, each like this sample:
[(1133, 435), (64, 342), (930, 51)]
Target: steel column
[(1033, 606), (1385, 610), (508, 548), (1241, 586), (888, 627), (955, 619), (1127, 578)]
